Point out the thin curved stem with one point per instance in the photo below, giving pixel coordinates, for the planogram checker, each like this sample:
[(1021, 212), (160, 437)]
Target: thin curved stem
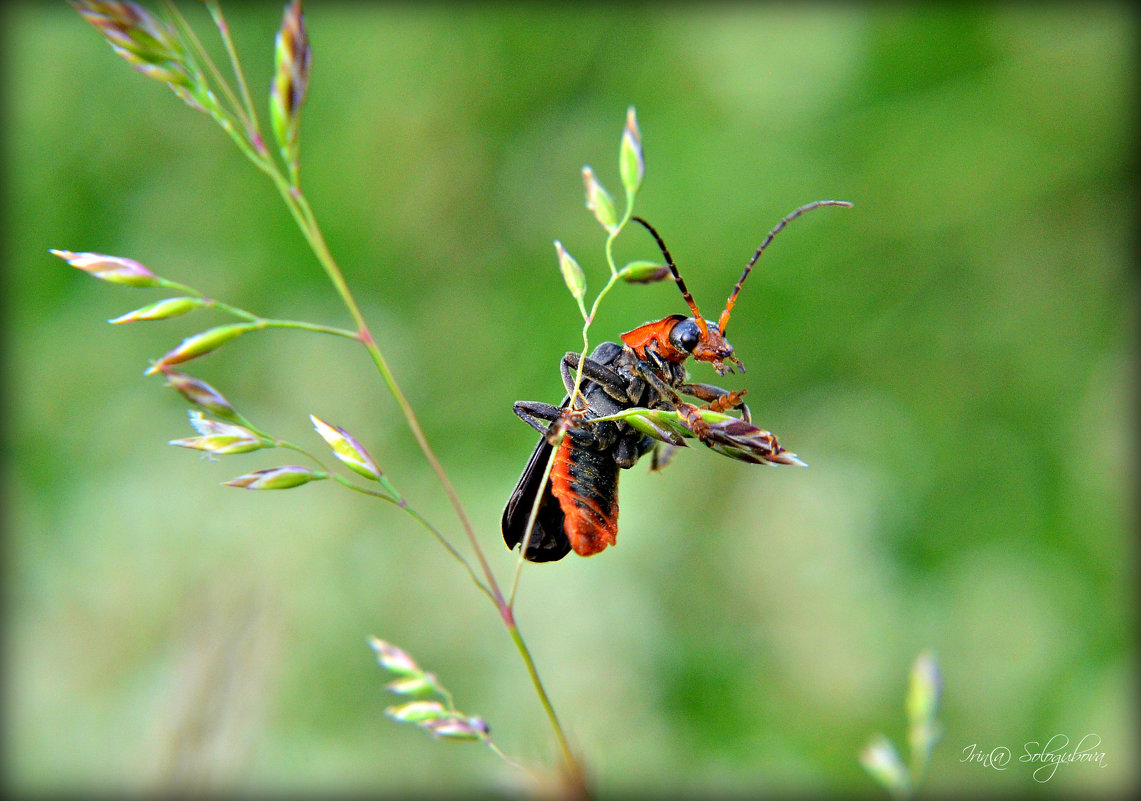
[(302, 213), (316, 328), (564, 745), (403, 504), (202, 57), (236, 65)]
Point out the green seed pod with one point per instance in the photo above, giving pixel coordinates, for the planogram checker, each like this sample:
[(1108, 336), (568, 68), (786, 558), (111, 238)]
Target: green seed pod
[(346, 448), (572, 274), (660, 425), (162, 310), (220, 439), (456, 728), (644, 272), (200, 393), (417, 711), (394, 659), (881, 760), (292, 64), (113, 269), (631, 164), (200, 344), (598, 200), (284, 477)]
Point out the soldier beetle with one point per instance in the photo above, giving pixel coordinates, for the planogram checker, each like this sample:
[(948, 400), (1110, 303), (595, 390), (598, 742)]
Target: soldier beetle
[(578, 507)]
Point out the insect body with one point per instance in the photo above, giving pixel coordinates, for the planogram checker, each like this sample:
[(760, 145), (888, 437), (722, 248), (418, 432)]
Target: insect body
[(578, 506)]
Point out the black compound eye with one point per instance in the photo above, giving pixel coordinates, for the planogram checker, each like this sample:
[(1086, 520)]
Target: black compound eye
[(685, 335)]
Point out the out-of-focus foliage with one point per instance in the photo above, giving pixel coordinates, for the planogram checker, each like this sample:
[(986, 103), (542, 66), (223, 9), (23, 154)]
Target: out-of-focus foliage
[(955, 358)]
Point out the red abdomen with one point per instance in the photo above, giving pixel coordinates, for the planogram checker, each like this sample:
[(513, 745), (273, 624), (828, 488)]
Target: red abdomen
[(585, 482)]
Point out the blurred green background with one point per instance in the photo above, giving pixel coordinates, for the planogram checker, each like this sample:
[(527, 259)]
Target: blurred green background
[(955, 358)]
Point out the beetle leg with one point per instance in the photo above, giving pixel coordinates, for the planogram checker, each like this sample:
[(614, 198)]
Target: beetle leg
[(611, 382), (547, 419), (746, 415), (626, 452), (663, 390), (635, 389), (693, 419), (535, 413), (719, 400), (662, 454)]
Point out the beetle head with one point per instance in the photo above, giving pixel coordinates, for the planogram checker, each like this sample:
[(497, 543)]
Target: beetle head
[(694, 336)]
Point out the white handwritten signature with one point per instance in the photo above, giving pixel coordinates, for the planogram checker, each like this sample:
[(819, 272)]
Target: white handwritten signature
[(1046, 756)]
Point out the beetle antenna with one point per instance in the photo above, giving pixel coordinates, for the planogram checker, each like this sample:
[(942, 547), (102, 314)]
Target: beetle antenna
[(677, 276), (779, 226)]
